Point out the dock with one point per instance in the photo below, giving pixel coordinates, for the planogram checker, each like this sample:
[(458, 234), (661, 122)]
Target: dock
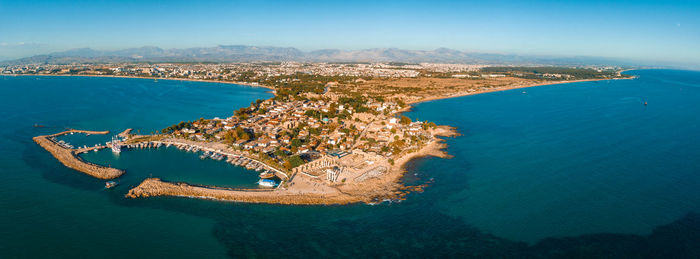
[(69, 156), (194, 146)]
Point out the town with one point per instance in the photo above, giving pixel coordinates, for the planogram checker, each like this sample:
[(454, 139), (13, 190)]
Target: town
[(333, 133), (260, 71), (341, 148)]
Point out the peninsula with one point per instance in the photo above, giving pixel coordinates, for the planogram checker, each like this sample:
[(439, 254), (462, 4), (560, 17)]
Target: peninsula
[(331, 135)]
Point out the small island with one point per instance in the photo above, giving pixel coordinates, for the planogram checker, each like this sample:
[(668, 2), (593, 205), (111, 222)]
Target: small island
[(323, 138)]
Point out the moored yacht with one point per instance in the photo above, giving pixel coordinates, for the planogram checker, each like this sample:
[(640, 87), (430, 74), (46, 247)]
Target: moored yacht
[(116, 145), (267, 183), (266, 175)]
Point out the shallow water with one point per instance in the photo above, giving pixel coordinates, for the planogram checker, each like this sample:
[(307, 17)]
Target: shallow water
[(585, 161)]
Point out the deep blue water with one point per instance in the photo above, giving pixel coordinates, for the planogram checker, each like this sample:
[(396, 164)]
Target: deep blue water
[(575, 158), (581, 169)]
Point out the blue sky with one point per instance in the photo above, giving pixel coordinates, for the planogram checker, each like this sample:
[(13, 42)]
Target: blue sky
[(663, 31)]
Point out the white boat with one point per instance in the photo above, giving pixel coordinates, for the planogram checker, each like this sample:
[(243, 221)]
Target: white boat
[(110, 184), (267, 183), (116, 145)]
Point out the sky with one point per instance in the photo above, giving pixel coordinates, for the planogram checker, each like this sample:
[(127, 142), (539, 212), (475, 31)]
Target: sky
[(662, 31)]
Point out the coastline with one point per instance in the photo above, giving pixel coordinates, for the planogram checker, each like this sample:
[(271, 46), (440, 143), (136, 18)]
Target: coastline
[(388, 186), (156, 78), (433, 98), (304, 192)]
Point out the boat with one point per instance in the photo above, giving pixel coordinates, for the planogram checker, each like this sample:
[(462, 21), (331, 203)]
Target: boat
[(116, 146), (266, 175), (110, 184), (267, 183)]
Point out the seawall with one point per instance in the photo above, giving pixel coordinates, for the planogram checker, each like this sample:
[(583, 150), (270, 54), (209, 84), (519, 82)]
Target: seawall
[(69, 158), (153, 187)]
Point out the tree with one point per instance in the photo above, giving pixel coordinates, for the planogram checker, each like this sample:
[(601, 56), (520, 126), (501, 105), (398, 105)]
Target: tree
[(295, 161), (279, 153), (229, 136), (405, 120), (242, 134)]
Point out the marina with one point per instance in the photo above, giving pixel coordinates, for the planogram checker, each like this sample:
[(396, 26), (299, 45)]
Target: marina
[(121, 143), (229, 156), (68, 155)]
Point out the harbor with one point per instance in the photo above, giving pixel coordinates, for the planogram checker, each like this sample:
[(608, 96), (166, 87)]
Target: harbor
[(68, 155), (208, 152)]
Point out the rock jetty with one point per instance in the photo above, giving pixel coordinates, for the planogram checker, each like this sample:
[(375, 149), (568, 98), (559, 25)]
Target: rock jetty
[(69, 157)]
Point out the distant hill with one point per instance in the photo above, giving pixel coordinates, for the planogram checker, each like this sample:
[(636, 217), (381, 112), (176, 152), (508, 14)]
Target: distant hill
[(242, 53)]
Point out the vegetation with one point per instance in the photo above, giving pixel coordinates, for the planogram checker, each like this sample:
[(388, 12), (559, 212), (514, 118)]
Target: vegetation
[(294, 161), (540, 72)]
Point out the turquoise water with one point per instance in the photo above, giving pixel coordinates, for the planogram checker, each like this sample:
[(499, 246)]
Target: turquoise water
[(182, 166), (581, 169), (574, 159)]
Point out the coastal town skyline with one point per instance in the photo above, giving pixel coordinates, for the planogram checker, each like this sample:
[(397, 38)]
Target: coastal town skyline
[(654, 31)]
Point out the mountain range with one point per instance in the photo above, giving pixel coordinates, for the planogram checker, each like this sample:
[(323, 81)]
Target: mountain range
[(243, 53)]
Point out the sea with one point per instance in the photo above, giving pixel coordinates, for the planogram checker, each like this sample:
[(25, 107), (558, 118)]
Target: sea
[(588, 169)]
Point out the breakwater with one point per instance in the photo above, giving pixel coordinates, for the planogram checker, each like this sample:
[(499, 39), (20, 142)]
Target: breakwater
[(68, 156), (153, 187)]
